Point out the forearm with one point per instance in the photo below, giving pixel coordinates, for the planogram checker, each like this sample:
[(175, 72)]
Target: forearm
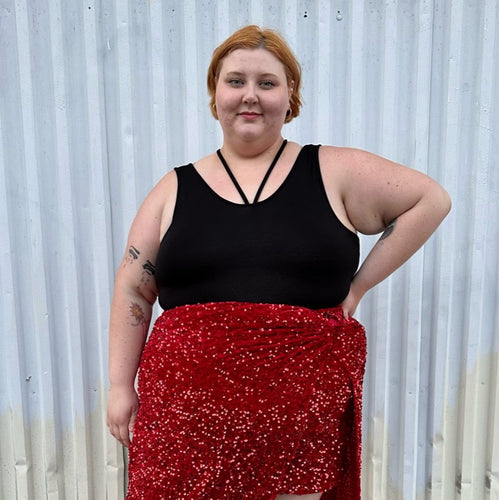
[(130, 319), (401, 239)]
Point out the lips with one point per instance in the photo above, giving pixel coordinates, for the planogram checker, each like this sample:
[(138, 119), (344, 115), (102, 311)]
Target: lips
[(249, 114)]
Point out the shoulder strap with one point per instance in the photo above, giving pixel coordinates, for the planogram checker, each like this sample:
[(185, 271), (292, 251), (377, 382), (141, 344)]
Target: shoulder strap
[(232, 177), (272, 165)]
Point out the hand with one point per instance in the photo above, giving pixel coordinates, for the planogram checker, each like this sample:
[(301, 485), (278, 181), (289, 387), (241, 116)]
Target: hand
[(122, 408), (349, 305)]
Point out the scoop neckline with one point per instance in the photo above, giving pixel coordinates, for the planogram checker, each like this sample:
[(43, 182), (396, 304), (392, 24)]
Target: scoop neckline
[(258, 202)]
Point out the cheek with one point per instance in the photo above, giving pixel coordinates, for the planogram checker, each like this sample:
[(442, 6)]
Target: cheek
[(278, 106), (225, 110), (225, 102)]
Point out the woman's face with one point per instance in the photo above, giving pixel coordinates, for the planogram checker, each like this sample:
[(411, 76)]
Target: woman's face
[(252, 94)]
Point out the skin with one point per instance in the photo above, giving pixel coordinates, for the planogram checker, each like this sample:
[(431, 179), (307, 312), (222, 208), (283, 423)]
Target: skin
[(369, 194)]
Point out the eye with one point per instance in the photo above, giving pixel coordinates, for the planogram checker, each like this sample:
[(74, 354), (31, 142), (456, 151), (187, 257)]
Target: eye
[(267, 84), (235, 82)]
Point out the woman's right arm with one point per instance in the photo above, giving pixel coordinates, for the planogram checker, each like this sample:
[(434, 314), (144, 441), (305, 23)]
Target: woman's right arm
[(134, 295)]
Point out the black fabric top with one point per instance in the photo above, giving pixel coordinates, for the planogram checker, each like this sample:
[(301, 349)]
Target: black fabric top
[(289, 248)]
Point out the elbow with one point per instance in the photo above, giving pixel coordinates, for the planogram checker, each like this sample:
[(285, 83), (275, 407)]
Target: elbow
[(445, 202), (440, 201), (145, 295), (148, 294)]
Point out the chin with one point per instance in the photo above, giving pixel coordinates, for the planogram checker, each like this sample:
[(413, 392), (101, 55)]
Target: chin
[(250, 133)]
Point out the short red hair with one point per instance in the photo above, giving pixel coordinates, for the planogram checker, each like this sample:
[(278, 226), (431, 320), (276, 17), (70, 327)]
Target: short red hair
[(253, 37)]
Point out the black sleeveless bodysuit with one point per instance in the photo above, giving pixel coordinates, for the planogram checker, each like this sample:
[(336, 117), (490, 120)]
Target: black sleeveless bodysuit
[(287, 249)]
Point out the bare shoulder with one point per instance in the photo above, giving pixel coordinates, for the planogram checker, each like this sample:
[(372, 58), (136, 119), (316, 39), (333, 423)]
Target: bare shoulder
[(166, 188), (341, 166), (167, 184), (160, 195), (155, 212), (333, 159), (374, 190), (165, 194), (350, 161)]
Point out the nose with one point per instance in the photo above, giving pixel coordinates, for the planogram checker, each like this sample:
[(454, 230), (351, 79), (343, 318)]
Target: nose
[(250, 96)]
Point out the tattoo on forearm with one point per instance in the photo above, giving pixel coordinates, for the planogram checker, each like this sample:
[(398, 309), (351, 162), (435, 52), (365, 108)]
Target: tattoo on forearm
[(388, 230), (137, 314)]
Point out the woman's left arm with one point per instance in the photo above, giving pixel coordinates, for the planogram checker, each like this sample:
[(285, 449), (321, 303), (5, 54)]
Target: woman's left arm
[(382, 196)]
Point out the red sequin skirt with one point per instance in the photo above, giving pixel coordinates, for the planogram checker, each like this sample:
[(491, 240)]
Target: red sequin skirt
[(248, 401)]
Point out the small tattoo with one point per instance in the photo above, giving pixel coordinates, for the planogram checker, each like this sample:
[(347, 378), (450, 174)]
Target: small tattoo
[(138, 314), (133, 254), (388, 230), (148, 271), (149, 268)]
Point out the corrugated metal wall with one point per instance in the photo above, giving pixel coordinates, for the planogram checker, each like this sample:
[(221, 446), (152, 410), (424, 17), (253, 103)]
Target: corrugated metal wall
[(100, 98)]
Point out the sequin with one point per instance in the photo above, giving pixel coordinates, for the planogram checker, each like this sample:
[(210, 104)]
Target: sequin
[(248, 401)]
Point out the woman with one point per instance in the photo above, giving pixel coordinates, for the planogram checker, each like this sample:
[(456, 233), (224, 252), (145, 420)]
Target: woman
[(250, 384)]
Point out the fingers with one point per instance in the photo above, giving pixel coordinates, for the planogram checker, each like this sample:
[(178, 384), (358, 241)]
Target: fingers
[(124, 438), (122, 411), (123, 432), (120, 432), (349, 305), (346, 314), (131, 424)]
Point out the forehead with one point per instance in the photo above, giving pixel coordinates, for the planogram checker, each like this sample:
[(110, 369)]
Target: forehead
[(244, 60)]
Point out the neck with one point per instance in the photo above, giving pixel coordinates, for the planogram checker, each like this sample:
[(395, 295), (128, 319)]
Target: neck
[(241, 150)]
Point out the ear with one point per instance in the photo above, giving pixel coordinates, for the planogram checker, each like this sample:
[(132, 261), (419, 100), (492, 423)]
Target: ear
[(291, 87)]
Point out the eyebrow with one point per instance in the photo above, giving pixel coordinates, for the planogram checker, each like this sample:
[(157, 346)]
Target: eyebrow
[(263, 75)]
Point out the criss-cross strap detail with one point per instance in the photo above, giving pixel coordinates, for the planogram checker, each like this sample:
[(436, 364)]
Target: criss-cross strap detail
[(264, 180), (232, 178)]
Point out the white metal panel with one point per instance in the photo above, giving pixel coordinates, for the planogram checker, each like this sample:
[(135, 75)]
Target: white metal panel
[(99, 99)]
